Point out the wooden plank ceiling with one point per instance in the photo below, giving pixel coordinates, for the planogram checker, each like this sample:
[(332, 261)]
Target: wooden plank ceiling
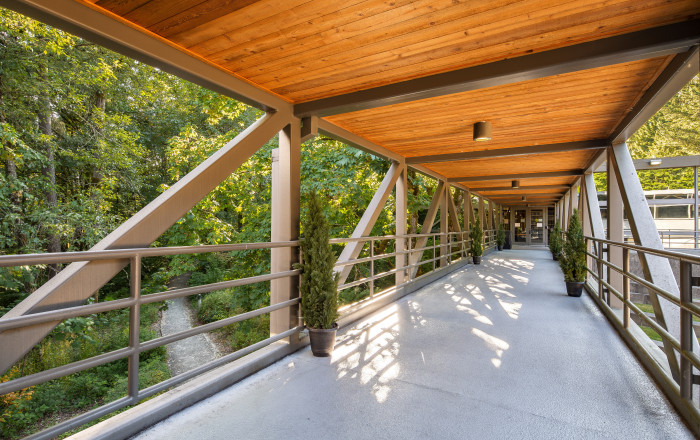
[(305, 50)]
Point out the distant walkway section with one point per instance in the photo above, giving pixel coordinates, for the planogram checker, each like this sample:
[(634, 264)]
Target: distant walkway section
[(496, 351)]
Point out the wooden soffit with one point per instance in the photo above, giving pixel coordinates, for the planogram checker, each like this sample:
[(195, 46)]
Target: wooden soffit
[(368, 67)]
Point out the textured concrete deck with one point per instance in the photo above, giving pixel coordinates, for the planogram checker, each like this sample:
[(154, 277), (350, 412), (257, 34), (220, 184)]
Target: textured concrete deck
[(489, 352)]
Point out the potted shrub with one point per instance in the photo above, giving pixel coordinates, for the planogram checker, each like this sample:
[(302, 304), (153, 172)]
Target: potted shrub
[(555, 241), (500, 237), (319, 283), (477, 245), (573, 259)]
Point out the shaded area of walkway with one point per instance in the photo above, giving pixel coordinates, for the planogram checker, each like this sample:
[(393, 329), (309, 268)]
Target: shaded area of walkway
[(492, 351)]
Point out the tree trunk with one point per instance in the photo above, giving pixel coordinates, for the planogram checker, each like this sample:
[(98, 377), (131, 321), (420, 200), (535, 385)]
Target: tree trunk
[(49, 171), (16, 192)]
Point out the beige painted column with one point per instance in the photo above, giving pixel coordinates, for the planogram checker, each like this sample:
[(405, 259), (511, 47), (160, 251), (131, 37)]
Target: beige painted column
[(444, 222), (286, 166), (401, 219), (615, 232)]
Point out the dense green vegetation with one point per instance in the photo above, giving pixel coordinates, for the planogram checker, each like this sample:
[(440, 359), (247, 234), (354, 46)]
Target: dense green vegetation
[(672, 131), (87, 138)]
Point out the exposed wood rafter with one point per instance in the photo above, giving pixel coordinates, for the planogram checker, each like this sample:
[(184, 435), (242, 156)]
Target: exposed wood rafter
[(509, 152), (634, 46), (571, 173)]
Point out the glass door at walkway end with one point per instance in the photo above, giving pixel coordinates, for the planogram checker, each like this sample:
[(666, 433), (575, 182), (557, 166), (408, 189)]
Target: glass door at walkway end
[(536, 226), (520, 226)]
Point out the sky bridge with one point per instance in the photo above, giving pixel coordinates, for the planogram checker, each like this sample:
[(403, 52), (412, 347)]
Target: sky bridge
[(515, 105)]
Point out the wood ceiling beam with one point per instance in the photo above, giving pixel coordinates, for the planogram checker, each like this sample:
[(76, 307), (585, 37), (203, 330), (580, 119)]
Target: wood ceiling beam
[(510, 188), (510, 152), (649, 43), (571, 173), (674, 77)]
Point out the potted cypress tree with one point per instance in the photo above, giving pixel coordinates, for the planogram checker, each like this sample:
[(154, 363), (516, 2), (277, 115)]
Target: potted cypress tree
[(319, 283), (573, 259), (477, 245), (555, 241), (500, 237)]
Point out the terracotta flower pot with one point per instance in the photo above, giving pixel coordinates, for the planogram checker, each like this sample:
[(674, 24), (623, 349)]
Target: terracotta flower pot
[(322, 340)]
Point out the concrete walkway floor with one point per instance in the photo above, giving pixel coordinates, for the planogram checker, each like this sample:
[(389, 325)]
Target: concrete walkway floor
[(489, 352)]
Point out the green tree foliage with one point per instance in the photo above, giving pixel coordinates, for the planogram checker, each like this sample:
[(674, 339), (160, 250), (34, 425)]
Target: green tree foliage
[(573, 259), (673, 131), (319, 283), (555, 240)]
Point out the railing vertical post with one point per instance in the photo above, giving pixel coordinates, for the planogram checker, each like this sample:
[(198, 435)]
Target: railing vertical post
[(686, 284), (134, 327), (626, 287), (371, 268), (408, 259), (599, 260), (434, 245)]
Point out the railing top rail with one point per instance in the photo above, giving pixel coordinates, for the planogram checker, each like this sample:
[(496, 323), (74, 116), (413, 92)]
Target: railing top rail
[(660, 252), (115, 254)]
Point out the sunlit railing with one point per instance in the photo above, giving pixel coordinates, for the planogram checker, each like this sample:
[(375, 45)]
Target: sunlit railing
[(439, 250), (676, 378)]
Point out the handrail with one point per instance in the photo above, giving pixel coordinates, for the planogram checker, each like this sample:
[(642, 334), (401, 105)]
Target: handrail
[(445, 243), (681, 375)]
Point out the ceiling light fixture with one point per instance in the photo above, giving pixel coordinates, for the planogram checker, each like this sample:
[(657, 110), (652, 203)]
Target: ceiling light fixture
[(515, 184), (482, 131), (655, 162), (524, 198)]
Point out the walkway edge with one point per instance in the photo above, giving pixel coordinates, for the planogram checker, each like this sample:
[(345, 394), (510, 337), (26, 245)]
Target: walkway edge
[(690, 414), (146, 414)]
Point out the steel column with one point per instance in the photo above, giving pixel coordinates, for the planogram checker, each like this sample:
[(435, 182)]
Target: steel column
[(401, 221), (369, 218), (79, 281), (285, 212), (657, 270), (444, 223), (427, 227), (615, 233)]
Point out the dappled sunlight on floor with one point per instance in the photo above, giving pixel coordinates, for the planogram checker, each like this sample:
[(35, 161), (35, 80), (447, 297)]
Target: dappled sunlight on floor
[(490, 351), (368, 353)]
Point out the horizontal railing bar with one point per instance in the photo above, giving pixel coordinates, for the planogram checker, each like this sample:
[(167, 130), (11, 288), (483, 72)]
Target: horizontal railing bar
[(62, 314), (173, 381), (164, 340), (122, 254), (74, 367), (659, 252), (187, 291), (669, 296), (653, 324), (155, 389)]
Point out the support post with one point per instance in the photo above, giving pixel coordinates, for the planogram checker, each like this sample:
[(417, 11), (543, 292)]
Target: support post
[(78, 281), (426, 228), (285, 212), (369, 218), (401, 220), (444, 223), (615, 233), (657, 270)]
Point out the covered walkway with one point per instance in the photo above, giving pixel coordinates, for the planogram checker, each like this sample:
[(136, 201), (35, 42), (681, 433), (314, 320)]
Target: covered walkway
[(490, 351)]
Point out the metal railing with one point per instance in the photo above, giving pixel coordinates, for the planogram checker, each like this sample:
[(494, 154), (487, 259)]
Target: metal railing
[(673, 238), (446, 248), (678, 379), (133, 303)]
